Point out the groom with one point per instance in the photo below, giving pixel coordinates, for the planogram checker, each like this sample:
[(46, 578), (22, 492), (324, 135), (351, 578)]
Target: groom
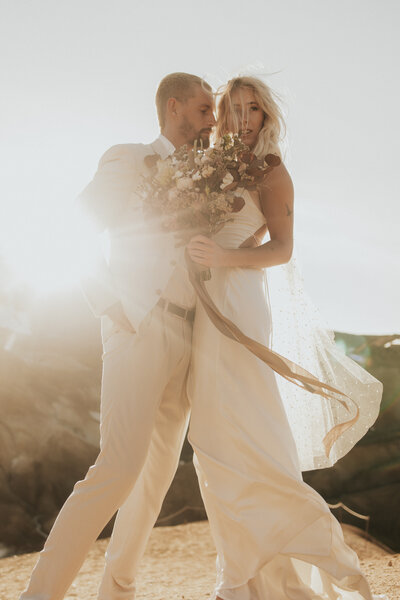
[(146, 304)]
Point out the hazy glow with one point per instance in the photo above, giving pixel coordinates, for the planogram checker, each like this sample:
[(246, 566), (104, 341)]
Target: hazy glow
[(79, 77), (53, 252)]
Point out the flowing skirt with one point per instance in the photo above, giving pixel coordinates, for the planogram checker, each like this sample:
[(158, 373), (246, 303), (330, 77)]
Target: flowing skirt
[(275, 536)]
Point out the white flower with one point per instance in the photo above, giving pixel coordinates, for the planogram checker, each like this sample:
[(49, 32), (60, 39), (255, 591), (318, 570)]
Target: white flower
[(207, 171), (178, 174), (172, 194), (196, 176), (184, 183), (227, 180), (164, 172)]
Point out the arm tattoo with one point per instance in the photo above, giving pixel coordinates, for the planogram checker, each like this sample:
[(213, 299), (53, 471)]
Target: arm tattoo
[(289, 212)]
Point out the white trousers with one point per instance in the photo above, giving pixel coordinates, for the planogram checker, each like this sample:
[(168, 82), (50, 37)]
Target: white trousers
[(144, 415)]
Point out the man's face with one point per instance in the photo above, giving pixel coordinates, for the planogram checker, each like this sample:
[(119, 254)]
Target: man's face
[(196, 117)]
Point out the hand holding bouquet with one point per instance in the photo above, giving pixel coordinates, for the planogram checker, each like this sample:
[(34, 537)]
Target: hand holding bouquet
[(198, 190)]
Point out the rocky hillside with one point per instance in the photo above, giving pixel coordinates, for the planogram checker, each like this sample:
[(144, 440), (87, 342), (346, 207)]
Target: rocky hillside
[(50, 369), (367, 479)]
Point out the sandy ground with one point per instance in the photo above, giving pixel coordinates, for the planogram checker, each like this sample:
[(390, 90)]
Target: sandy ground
[(179, 564)]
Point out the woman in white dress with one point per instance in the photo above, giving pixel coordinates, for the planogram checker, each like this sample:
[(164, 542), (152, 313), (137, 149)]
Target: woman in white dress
[(275, 536)]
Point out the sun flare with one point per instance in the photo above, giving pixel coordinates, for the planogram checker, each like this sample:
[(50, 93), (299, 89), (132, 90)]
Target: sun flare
[(52, 255)]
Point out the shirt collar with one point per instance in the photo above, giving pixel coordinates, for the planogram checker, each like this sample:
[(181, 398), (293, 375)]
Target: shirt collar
[(165, 146)]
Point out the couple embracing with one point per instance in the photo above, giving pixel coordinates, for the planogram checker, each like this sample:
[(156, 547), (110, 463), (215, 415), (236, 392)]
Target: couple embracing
[(164, 358)]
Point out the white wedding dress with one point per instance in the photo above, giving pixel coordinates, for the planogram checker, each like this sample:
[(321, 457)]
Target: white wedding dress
[(275, 536)]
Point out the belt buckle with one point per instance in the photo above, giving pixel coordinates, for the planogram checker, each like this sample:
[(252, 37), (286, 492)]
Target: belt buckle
[(176, 310)]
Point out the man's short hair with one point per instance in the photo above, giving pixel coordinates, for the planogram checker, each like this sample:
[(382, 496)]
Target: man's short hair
[(176, 85)]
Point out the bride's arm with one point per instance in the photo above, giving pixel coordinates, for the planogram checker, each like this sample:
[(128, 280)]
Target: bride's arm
[(277, 198)]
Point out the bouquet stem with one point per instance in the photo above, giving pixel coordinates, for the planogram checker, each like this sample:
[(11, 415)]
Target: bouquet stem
[(201, 272)]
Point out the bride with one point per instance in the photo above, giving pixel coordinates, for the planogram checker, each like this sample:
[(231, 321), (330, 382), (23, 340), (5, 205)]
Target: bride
[(275, 536)]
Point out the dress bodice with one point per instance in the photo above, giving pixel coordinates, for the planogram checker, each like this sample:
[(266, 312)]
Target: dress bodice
[(243, 225)]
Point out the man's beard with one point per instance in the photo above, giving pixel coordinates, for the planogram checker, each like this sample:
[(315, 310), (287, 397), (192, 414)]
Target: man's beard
[(191, 135), (204, 138)]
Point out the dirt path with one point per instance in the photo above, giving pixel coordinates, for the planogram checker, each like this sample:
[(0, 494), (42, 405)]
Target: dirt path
[(179, 564)]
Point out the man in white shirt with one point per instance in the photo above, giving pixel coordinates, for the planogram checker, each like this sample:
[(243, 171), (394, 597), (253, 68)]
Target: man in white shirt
[(146, 304)]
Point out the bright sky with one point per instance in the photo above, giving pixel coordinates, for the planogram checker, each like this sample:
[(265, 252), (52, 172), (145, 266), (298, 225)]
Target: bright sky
[(81, 75)]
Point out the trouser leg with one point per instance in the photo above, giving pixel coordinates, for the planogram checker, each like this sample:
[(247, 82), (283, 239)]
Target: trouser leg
[(136, 517), (136, 371)]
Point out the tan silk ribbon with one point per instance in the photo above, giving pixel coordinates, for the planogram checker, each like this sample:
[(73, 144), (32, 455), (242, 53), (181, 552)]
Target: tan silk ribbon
[(281, 365)]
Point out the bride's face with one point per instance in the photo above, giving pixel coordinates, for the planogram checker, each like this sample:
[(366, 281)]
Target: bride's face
[(247, 118)]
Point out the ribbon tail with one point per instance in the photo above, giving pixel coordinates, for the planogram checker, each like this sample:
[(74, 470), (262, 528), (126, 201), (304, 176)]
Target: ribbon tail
[(334, 433)]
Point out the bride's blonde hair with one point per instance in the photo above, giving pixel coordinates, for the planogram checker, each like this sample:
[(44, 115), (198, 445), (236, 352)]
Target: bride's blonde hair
[(273, 126)]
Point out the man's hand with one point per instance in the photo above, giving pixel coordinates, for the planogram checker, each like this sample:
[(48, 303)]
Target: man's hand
[(206, 252), (118, 316)]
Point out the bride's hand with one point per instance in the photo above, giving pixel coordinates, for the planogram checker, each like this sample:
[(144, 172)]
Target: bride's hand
[(206, 252)]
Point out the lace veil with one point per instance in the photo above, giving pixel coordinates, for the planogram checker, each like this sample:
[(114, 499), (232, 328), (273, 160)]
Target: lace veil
[(299, 333)]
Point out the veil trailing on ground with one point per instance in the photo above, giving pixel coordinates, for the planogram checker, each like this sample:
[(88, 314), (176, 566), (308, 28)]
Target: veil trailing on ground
[(299, 334)]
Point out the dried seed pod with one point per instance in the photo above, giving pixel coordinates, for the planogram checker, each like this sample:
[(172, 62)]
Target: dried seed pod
[(272, 160)]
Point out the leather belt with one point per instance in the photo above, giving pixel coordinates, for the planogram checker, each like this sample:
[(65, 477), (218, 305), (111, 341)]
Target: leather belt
[(175, 309)]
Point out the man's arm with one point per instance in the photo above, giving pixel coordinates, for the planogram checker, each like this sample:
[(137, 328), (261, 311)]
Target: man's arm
[(104, 200), (99, 289), (99, 293), (107, 196)]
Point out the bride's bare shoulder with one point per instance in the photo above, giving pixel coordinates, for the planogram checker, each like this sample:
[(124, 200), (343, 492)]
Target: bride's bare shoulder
[(278, 185), (279, 177)]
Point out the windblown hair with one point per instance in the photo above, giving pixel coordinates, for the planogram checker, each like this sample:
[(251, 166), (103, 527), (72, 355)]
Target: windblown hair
[(176, 85), (270, 135)]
